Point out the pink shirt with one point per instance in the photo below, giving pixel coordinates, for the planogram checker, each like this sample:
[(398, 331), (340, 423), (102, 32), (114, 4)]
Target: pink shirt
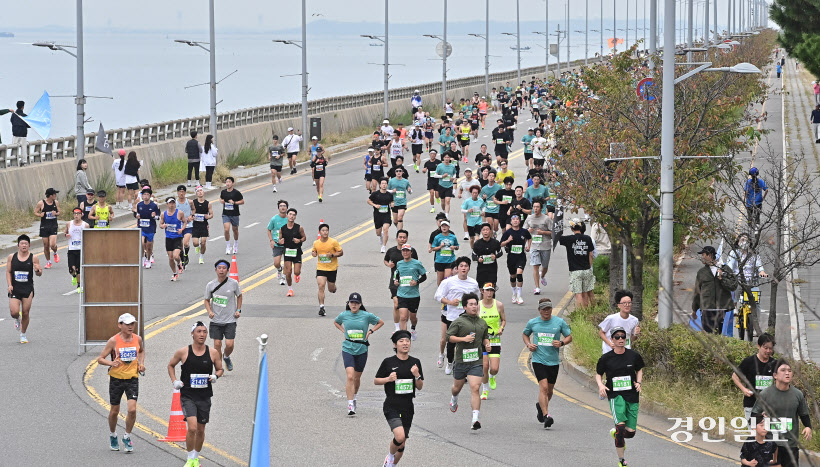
[(817, 88)]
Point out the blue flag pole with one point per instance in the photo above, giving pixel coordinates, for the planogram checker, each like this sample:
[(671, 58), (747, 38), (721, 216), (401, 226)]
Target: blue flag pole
[(260, 442)]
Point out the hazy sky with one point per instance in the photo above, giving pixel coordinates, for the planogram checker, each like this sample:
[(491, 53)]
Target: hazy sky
[(281, 14)]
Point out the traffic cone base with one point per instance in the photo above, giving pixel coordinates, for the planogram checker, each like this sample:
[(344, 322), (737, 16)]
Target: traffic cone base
[(177, 428), (234, 271)]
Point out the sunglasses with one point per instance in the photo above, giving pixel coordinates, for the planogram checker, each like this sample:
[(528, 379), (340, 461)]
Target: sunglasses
[(618, 337)]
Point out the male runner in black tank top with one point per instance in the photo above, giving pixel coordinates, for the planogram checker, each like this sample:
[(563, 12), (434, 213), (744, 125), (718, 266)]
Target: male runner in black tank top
[(20, 268), (195, 386), (48, 210), (291, 238)]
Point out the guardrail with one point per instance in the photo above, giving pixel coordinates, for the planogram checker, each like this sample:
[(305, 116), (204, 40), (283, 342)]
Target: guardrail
[(134, 137)]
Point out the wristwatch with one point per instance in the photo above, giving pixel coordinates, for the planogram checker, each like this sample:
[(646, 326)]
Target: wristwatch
[(239, 310)]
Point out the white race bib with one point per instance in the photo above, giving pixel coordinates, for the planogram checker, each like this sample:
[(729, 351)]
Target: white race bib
[(219, 300), (325, 259), (469, 355), (545, 338), (383, 209), (404, 386), (488, 259), (51, 215), (355, 334), (537, 238), (446, 252), (404, 281), (320, 167), (228, 207), (145, 223), (102, 223), (506, 198), (516, 249), (76, 243), (199, 217), (622, 383), (762, 382), (199, 381), (290, 252), (491, 205), (399, 194), (21, 276), (128, 354)]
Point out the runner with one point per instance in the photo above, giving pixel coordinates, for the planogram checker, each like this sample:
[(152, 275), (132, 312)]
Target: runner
[(449, 293), (320, 171), (537, 190), (543, 336), (368, 174), (377, 167), (291, 238), (432, 182), (482, 156), (195, 382), (186, 207), (446, 173), (471, 337), (391, 258), (397, 147), (624, 373), (20, 270), (757, 371), (417, 144), (528, 147), (314, 151), (147, 213), (400, 375), (355, 324), (409, 273), (400, 187), (579, 258), (502, 139), (492, 312), (540, 228), (124, 354), (173, 221), (48, 210), (223, 300), (445, 139), (327, 250), (231, 199), (203, 211), (623, 319), (444, 244), (517, 241), (277, 222), (291, 144), (74, 234), (382, 202), (88, 205), (102, 214), (491, 208), (429, 134), (503, 198), (482, 110), (494, 100), (520, 205), (275, 156), (465, 131), (486, 251), (472, 209)]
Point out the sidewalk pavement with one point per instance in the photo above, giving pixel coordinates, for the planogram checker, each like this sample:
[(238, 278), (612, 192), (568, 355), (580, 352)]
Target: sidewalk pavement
[(798, 103)]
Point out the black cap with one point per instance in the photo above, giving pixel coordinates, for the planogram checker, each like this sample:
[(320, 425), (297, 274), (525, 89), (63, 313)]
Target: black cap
[(90, 191), (708, 249), (401, 334), (51, 191), (355, 297), (441, 216)]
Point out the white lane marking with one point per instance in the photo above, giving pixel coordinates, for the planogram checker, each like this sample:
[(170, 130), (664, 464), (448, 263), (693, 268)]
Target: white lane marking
[(251, 225), (315, 355), (354, 187), (331, 389), (311, 202), (529, 119), (337, 193), (67, 293), (215, 239)]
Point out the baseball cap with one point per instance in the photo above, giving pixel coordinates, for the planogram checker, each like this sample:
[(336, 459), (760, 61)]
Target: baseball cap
[(386, 121), (121, 152), (127, 318), (355, 297), (468, 170), (290, 128), (171, 199), (488, 286), (401, 334), (416, 91), (315, 138), (90, 191), (708, 249), (51, 191), (441, 215), (407, 246), (616, 329)]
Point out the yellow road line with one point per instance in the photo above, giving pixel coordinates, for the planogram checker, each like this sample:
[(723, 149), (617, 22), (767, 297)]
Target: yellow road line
[(523, 363)]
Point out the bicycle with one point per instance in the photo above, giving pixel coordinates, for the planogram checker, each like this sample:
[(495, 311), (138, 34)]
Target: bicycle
[(744, 310)]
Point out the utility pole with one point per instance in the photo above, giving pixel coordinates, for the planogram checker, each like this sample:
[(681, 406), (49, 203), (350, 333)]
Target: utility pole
[(444, 63), (487, 48), (518, 39), (386, 63), (690, 11), (305, 125), (212, 58), (569, 31), (79, 99), (653, 34), (665, 262)]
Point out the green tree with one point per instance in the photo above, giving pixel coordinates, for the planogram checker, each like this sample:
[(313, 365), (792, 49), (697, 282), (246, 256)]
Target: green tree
[(800, 30)]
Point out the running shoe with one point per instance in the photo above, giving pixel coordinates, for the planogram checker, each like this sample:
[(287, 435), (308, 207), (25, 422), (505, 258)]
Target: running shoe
[(145, 263), (274, 188), (448, 369), (476, 425), (297, 278), (355, 405), (56, 258), (74, 281), (314, 183), (129, 447), (413, 334), (320, 199), (387, 462), (544, 281), (537, 291), (433, 209), (514, 299), (196, 249), (440, 361), (290, 293), (351, 409), (17, 327), (174, 277), (201, 260), (484, 395), (152, 258), (492, 382), (149, 265), (453, 406), (540, 415), (228, 363), (466, 236), (48, 264), (115, 444), (520, 300), (235, 248), (23, 338), (622, 463), (416, 166), (228, 249), (321, 310), (282, 280), (548, 421), (383, 249)]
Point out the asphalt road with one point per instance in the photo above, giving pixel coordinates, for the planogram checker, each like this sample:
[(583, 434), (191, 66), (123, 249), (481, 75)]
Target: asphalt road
[(309, 425)]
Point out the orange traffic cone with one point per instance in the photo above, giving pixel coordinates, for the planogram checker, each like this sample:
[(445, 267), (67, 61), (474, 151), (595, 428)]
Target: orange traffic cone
[(177, 428), (234, 272), (318, 235)]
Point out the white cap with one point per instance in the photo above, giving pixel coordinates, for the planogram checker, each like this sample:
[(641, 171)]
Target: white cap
[(127, 318), (416, 91), (316, 138), (445, 222), (386, 121), (290, 128)]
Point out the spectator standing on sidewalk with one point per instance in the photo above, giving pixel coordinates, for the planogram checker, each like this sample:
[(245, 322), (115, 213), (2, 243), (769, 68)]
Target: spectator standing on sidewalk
[(19, 132), (81, 185), (193, 150), (208, 160), (815, 118), (713, 291), (815, 87)]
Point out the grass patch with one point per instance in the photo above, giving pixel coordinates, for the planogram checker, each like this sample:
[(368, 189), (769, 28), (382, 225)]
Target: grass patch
[(13, 219), (169, 172), (247, 156)]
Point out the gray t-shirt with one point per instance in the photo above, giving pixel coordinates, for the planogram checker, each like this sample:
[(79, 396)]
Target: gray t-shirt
[(787, 406), (543, 222), (277, 154), (223, 302)]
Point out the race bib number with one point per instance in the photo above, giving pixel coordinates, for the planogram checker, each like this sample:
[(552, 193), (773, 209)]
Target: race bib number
[(76, 243), (199, 217), (488, 259), (102, 223), (469, 355), (384, 209), (89, 208), (51, 215), (622, 383), (320, 167), (780, 425), (219, 300), (275, 154), (404, 386), (537, 238), (377, 168), (495, 341), (545, 338), (399, 194), (145, 223), (491, 205), (199, 381), (128, 354), (21, 276), (355, 334), (446, 252), (516, 249), (228, 207), (171, 229), (325, 259), (499, 141), (290, 252), (762, 382), (445, 177), (404, 281), (475, 213), (506, 199)]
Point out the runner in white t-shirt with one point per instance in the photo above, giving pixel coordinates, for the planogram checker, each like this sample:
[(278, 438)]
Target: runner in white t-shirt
[(449, 293), (622, 319), (291, 143)]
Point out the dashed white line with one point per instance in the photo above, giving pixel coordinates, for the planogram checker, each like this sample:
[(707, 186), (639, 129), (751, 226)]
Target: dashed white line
[(310, 202), (251, 225), (70, 292), (215, 239), (315, 355), (354, 187), (337, 193)]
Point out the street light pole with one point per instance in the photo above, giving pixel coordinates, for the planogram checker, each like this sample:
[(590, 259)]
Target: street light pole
[(602, 31), (518, 38), (547, 37), (586, 34), (690, 11), (212, 54), (667, 168), (653, 34), (487, 48), (386, 64), (569, 31), (79, 99), (305, 127), (444, 63)]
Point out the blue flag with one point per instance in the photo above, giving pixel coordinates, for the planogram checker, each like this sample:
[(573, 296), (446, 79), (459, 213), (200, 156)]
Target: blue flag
[(260, 445), (39, 118)]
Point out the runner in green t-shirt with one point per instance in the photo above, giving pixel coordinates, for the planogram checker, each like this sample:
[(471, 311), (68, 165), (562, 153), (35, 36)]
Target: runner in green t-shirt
[(355, 324), (400, 187)]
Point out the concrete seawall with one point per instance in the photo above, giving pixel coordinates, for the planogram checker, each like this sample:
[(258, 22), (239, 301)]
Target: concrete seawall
[(22, 187)]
